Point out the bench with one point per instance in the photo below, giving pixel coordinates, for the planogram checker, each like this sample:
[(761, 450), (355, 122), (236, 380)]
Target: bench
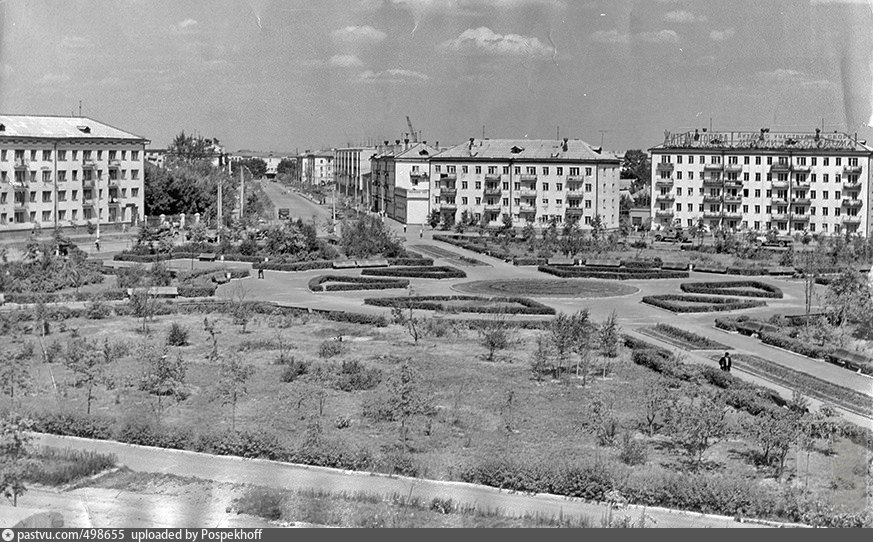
[(781, 271), (206, 257), (674, 266)]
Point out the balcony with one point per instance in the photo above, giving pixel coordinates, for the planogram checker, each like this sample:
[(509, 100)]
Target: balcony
[(780, 184), (19, 205), (780, 166), (664, 182), (527, 177), (713, 167), (849, 219), (442, 186), (804, 184), (445, 206), (114, 202), (666, 213), (664, 166), (494, 192), (575, 194), (733, 183), (526, 192), (852, 170), (733, 215), (849, 185), (493, 177), (713, 182), (88, 183), (448, 192), (797, 217), (712, 214), (495, 207), (115, 164), (852, 203), (733, 168), (579, 178), (780, 217), (418, 175), (573, 212), (712, 199), (801, 201), (89, 163), (778, 201), (448, 176), (736, 200), (21, 163), (114, 183), (526, 209), (86, 204)]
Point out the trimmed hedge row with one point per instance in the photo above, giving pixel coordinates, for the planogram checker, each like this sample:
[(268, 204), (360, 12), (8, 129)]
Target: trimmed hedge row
[(759, 289), (729, 323), (494, 252), (434, 303), (428, 272), (700, 303), (620, 274), (654, 263), (28, 298), (353, 283), (794, 345), (197, 290), (688, 337), (529, 261), (298, 266)]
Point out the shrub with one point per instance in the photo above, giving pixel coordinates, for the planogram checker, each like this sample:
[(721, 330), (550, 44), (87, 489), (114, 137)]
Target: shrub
[(430, 272), (353, 283), (529, 261), (633, 451), (262, 502), (612, 274), (742, 288), (146, 433), (73, 425), (688, 337), (795, 345), (207, 290), (697, 303), (331, 348), (294, 370), (410, 262), (436, 303), (355, 376), (97, 309), (299, 266), (54, 467), (178, 335), (249, 444)]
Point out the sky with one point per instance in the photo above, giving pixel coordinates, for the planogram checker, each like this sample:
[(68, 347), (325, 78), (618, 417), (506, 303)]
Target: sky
[(292, 75)]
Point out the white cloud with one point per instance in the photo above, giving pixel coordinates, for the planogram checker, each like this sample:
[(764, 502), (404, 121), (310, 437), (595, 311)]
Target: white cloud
[(484, 40), (681, 16), (359, 34), (187, 26), (187, 22), (722, 35), (345, 61), (393, 76), (785, 76), (614, 36)]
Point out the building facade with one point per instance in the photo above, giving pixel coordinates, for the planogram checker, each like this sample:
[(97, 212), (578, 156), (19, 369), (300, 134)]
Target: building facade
[(316, 168), (400, 181), (762, 181), (529, 180), (350, 167), (68, 171)]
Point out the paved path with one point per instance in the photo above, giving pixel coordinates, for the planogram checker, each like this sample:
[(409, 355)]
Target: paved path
[(300, 207), (296, 477)]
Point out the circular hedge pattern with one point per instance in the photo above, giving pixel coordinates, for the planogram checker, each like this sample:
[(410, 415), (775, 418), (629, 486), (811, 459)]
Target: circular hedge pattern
[(546, 288)]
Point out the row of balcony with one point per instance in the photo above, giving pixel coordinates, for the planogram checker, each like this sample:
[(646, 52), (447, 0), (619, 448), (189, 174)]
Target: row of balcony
[(446, 190), (91, 183), (89, 163), (730, 183)]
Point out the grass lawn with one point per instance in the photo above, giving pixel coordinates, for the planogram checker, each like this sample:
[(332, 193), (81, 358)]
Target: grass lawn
[(546, 288), (483, 409)]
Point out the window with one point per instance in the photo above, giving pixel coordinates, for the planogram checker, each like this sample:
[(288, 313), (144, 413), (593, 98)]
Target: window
[(46, 156), (690, 175), (574, 171), (134, 155), (838, 194), (746, 160), (112, 155), (745, 208), (134, 174), (812, 178), (758, 177), (678, 175), (506, 202), (757, 160), (478, 200), (545, 186), (811, 194), (839, 161), (559, 170), (46, 176), (134, 192), (836, 211), (3, 155), (769, 160), (531, 170), (478, 170), (691, 159), (4, 177), (678, 191), (506, 186), (545, 170), (559, 202), (665, 159), (757, 209), (478, 185), (46, 216), (464, 200), (824, 211), (75, 175), (464, 170), (826, 161), (559, 187), (545, 201), (679, 207), (746, 176), (33, 156), (62, 195), (46, 197), (506, 170), (853, 161), (464, 185), (824, 194), (801, 160), (757, 192), (33, 176), (436, 169), (588, 204), (824, 177), (588, 171), (679, 159), (517, 170), (733, 160), (450, 169)]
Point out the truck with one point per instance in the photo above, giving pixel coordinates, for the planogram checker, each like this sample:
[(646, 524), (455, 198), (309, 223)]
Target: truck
[(671, 235), (284, 213)]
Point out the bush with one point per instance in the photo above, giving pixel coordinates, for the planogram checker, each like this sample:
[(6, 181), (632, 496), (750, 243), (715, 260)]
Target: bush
[(436, 303), (353, 283), (680, 303), (410, 262), (299, 266), (629, 273), (146, 433), (794, 345), (730, 324), (633, 451), (248, 444), (73, 425), (688, 337), (294, 370), (373, 320), (331, 348), (529, 261), (262, 502), (428, 272), (197, 291), (54, 467), (654, 263), (178, 335), (742, 288), (355, 376)]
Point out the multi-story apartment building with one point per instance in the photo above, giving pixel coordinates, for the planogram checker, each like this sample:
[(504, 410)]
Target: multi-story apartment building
[(316, 168), (68, 171), (271, 159), (400, 181), (762, 181), (529, 180), (350, 166)]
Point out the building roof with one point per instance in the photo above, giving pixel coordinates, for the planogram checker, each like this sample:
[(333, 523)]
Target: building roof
[(245, 153), (46, 126), (763, 140), (526, 150), (418, 151)]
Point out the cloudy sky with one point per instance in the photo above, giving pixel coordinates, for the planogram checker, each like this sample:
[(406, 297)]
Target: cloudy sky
[(297, 74)]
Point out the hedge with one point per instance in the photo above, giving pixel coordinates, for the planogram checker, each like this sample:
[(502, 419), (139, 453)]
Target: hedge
[(28, 298), (431, 272), (700, 303), (298, 266), (415, 262), (435, 303), (353, 283), (654, 263), (748, 271), (494, 251), (529, 261), (710, 269), (620, 274), (688, 337), (205, 290), (758, 289), (794, 345), (730, 324)]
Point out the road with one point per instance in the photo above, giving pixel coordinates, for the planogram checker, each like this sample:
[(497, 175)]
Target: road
[(299, 206), (300, 477)]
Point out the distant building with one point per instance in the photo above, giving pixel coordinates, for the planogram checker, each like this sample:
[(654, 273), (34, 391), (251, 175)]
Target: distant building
[(350, 166), (528, 180), (788, 182), (215, 152), (316, 168), (272, 159), (400, 181), (68, 171)]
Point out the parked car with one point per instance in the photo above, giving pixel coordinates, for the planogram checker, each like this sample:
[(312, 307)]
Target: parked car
[(671, 235), (777, 241)]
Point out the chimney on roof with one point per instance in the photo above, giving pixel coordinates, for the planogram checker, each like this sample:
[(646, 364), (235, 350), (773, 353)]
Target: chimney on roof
[(696, 134), (2, 127), (817, 133), (472, 139), (565, 146)]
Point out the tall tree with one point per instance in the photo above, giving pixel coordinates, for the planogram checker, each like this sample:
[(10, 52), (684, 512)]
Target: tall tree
[(406, 399), (849, 298), (15, 374), (15, 441), (189, 147), (637, 165), (256, 166)]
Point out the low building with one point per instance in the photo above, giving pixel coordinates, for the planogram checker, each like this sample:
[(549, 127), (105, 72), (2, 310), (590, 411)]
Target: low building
[(316, 168), (68, 171), (529, 180), (400, 181), (763, 181)]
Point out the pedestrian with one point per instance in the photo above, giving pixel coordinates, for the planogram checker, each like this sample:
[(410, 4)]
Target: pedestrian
[(97, 245), (725, 362), (421, 232), (404, 228), (260, 272)]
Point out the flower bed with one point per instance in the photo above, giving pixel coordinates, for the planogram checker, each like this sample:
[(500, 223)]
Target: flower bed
[(426, 272), (442, 303), (317, 284), (697, 303), (742, 288), (617, 274)]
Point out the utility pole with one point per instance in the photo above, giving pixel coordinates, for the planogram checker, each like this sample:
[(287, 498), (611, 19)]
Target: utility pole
[(242, 189), (220, 182)]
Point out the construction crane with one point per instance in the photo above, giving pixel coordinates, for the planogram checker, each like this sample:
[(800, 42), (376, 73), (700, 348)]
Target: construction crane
[(412, 133)]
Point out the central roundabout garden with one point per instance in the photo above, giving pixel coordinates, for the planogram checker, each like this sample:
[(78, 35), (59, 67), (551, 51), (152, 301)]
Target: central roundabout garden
[(546, 288)]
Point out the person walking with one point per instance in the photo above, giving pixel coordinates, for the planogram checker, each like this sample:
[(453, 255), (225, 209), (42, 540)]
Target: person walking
[(421, 232), (97, 245), (725, 362), (404, 229)]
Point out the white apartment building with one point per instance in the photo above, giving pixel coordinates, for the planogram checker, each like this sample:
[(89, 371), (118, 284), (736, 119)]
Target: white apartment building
[(400, 181), (68, 171), (316, 168), (351, 165), (531, 180), (762, 181)]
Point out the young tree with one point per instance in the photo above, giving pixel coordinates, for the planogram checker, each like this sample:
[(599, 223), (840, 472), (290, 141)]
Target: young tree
[(164, 377), (608, 336), (90, 366), (602, 421), (598, 231), (495, 335), (406, 400), (529, 236), (655, 404), (540, 362), (15, 375), (433, 220), (696, 425), (209, 327), (143, 305), (241, 310), (774, 432), (15, 441), (233, 374)]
